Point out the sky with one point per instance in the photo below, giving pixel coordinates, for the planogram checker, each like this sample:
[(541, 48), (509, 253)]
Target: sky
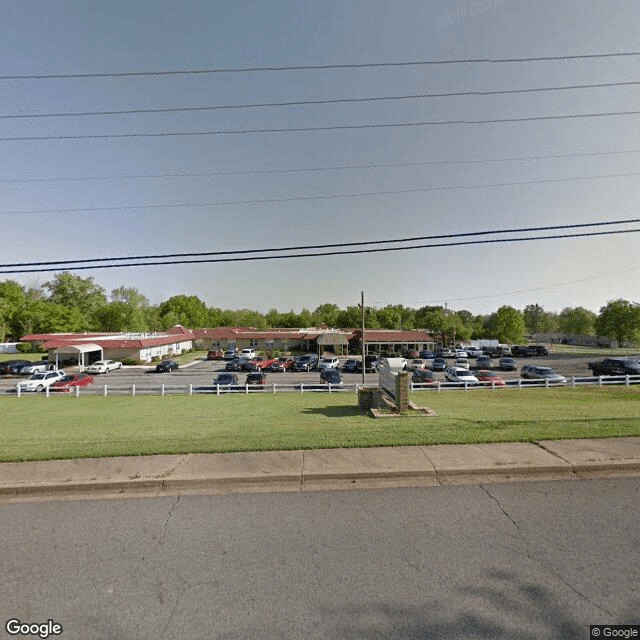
[(72, 197)]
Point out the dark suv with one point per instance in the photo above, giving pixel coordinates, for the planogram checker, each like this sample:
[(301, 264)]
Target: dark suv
[(306, 362), (256, 377)]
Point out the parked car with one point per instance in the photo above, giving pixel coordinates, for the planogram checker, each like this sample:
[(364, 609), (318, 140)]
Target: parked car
[(249, 354), (331, 376), (331, 362), (537, 350), (166, 366), (226, 380), (439, 364), (410, 354), (425, 354), (237, 364), (455, 374), (259, 363), (490, 377), (423, 376), (352, 366), (462, 363), (474, 352), (461, 353), (103, 366), (13, 367), (484, 362), (371, 363), (307, 362), (519, 350), (230, 354), (445, 352), (415, 364), (39, 381), (532, 372), (507, 364), (214, 354), (70, 382), (256, 377), (33, 367), (281, 365)]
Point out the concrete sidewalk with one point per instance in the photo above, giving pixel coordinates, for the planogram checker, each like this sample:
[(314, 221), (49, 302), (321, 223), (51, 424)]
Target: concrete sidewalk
[(317, 469)]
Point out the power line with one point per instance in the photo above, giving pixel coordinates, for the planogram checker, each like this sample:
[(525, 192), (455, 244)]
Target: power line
[(509, 293), (320, 197), (242, 172), (321, 128), (295, 103), (319, 67), (323, 254)]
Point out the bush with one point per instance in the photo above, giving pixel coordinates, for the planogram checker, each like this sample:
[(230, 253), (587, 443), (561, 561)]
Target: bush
[(24, 347), (131, 361)]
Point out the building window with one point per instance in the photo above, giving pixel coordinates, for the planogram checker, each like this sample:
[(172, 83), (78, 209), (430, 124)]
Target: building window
[(269, 344)]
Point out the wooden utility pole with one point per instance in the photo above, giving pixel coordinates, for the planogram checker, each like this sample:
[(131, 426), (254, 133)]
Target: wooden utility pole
[(363, 340)]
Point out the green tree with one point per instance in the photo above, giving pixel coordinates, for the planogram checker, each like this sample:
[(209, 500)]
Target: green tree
[(577, 321), (533, 318), (80, 293), (619, 319), (189, 311), (507, 324), (327, 313), (125, 312)]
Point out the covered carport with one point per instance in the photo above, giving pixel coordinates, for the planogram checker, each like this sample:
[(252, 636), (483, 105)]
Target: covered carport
[(333, 339), (84, 353)]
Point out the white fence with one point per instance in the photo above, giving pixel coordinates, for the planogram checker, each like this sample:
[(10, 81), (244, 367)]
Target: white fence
[(165, 389)]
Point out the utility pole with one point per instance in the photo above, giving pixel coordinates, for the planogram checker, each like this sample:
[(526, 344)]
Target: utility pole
[(363, 340)]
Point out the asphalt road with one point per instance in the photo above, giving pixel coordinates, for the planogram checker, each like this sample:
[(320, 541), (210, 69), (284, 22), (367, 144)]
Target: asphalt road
[(521, 560)]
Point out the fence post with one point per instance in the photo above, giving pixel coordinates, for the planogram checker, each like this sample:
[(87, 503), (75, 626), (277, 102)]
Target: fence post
[(190, 389), (161, 389), (18, 390), (77, 391), (438, 385), (574, 382), (626, 380), (520, 384), (274, 387), (546, 383), (217, 389), (133, 389), (356, 388), (302, 387), (46, 392), (329, 387), (493, 385), (105, 391), (466, 386), (599, 381), (246, 389)]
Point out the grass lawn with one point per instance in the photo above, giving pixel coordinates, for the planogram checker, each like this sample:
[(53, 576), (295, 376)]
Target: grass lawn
[(38, 428)]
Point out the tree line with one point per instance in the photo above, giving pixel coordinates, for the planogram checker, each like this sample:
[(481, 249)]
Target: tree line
[(69, 303)]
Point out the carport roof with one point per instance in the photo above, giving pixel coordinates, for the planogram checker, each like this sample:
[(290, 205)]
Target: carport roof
[(83, 347)]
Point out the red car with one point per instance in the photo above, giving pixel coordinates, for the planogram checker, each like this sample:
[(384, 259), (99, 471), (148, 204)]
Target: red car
[(214, 354), (261, 362), (488, 377), (71, 381)]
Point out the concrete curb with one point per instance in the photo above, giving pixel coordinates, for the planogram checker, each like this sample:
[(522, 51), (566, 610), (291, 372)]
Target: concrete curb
[(435, 465)]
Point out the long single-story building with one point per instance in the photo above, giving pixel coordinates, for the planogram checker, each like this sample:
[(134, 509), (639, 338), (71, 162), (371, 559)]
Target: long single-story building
[(83, 349)]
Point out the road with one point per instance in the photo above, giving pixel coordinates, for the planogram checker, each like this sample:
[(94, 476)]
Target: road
[(519, 560)]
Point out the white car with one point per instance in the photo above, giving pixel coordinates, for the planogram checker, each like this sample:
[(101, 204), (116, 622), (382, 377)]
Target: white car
[(455, 374), (461, 363), (461, 353), (329, 363), (39, 381), (474, 352), (248, 354), (415, 364), (103, 366)]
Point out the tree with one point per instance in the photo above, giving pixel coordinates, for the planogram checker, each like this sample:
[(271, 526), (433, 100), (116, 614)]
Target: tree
[(533, 317), (189, 311), (619, 319), (125, 312), (577, 321), (80, 293), (507, 324), (327, 314)]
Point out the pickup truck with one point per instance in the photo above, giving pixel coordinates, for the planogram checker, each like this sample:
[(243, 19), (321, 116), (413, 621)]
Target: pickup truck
[(615, 367)]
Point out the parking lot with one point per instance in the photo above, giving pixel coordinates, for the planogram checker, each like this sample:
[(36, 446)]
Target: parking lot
[(201, 373)]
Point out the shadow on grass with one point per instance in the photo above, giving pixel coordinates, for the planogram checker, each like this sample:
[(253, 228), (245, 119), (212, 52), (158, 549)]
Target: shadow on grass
[(333, 412)]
